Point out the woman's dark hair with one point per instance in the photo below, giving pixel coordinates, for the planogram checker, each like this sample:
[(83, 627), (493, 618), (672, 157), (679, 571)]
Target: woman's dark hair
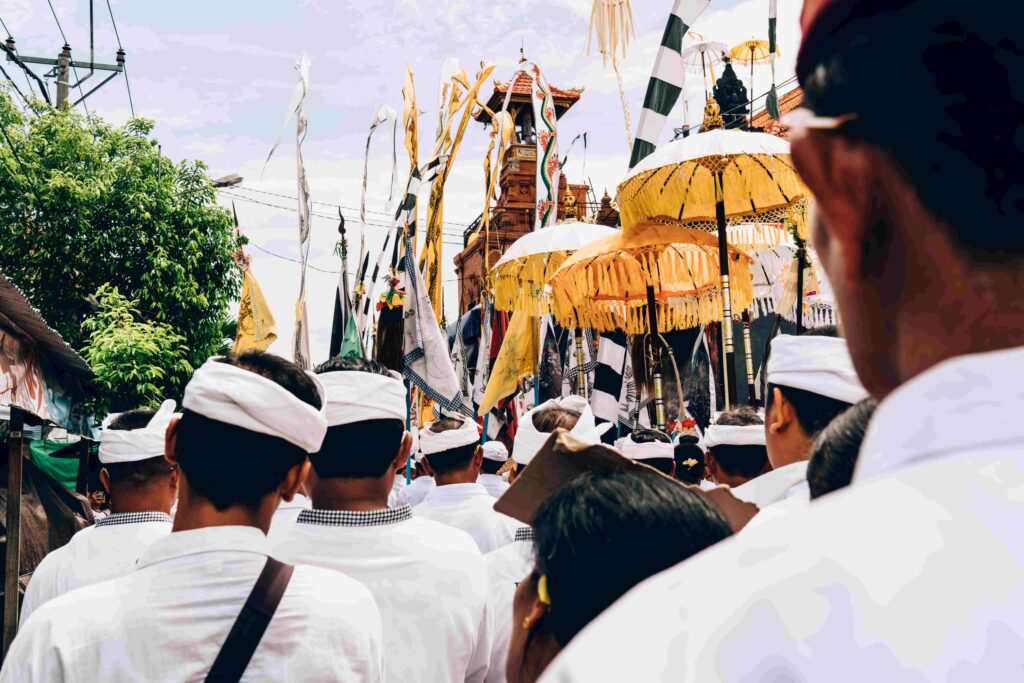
[(689, 460), (453, 459), (606, 531), (834, 453), (229, 465), (358, 449)]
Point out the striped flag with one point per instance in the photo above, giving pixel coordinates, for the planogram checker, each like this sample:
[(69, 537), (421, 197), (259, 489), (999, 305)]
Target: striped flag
[(772, 101), (666, 79), (612, 354)]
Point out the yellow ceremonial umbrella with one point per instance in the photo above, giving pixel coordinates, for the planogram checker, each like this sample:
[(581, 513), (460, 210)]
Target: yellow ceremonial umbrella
[(752, 52)]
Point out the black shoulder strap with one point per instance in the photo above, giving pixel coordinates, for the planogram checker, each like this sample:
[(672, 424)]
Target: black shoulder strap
[(251, 623)]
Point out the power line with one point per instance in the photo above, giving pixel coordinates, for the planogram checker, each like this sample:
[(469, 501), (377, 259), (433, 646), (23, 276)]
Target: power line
[(73, 67), (59, 27), (117, 35), (322, 270)]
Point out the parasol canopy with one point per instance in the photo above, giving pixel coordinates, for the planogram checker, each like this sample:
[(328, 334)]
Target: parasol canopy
[(521, 275), (752, 51), (604, 284), (704, 53), (680, 180)]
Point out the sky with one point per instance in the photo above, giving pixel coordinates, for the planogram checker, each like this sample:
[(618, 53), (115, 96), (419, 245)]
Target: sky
[(217, 76)]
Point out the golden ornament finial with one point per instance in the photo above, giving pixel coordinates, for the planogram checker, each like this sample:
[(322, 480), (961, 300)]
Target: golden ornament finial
[(712, 115), (569, 202)]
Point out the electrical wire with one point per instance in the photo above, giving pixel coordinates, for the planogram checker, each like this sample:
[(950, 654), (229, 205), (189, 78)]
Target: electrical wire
[(127, 83), (73, 67), (322, 270)]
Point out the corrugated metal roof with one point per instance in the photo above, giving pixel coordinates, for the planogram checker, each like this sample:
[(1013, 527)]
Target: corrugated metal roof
[(15, 305)]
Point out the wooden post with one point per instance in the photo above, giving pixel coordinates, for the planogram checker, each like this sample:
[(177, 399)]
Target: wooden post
[(748, 351), (581, 376), (82, 481), (800, 292), (659, 394), (728, 367), (12, 560)]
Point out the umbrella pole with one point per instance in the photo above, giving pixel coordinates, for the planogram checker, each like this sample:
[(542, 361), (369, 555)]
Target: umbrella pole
[(536, 361), (748, 352), (704, 72), (581, 375), (800, 292), (659, 394), (750, 125), (728, 367)]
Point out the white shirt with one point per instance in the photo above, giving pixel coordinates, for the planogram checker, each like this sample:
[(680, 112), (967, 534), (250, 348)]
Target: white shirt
[(494, 484), (413, 494), (96, 553), (469, 507), (396, 487), (288, 511), (506, 567), (775, 485), (912, 573), (166, 620), (428, 579)]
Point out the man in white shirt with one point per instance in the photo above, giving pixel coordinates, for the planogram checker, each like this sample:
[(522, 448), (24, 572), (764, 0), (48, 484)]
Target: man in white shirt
[(241, 446), (428, 579), (413, 494), (495, 455), (506, 567), (736, 452), (141, 486), (451, 447), (811, 380), (914, 571)]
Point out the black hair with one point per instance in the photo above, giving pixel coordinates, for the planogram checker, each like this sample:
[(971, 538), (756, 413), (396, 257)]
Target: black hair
[(687, 450), (491, 466), (606, 531), (739, 416), (230, 465), (642, 435), (834, 454), (136, 473), (358, 449), (453, 459), (549, 419), (813, 411)]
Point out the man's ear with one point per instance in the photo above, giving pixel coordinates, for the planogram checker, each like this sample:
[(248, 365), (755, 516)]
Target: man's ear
[(105, 480), (478, 458), (293, 480), (171, 441), (781, 414), (402, 456), (710, 467)]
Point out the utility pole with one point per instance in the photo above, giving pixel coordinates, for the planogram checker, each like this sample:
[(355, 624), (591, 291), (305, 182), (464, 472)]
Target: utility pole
[(62, 69)]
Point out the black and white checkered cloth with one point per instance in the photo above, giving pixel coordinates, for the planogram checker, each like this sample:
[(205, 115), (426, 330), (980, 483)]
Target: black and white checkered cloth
[(524, 533), (133, 518), (612, 354), (400, 513), (666, 79)]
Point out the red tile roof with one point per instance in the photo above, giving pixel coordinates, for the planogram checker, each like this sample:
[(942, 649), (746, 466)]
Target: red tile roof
[(787, 102), (523, 86)]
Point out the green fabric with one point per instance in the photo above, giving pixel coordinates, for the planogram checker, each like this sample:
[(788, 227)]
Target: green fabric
[(772, 41), (61, 469), (772, 103), (350, 343)]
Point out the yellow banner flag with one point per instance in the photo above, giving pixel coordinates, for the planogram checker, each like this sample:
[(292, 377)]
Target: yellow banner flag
[(256, 324), (515, 360)]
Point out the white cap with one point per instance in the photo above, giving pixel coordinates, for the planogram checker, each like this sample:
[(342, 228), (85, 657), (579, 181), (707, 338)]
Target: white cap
[(820, 365), (529, 441), (355, 396), (496, 451), (133, 445), (437, 442), (734, 435), (644, 451), (245, 399)]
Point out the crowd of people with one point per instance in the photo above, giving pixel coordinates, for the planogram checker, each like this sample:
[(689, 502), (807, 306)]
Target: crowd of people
[(863, 525)]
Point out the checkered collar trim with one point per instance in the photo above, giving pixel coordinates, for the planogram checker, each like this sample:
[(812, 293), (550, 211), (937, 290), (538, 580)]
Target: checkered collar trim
[(399, 513), (134, 518), (524, 533)]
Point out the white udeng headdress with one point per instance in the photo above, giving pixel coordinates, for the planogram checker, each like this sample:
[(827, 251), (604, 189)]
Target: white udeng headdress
[(529, 441), (133, 445), (644, 451), (436, 442), (354, 396), (496, 451), (734, 435), (820, 365), (245, 399)]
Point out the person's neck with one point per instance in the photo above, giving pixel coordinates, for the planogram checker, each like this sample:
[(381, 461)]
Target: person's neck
[(461, 477), (797, 449), (352, 494), (122, 501), (196, 512)]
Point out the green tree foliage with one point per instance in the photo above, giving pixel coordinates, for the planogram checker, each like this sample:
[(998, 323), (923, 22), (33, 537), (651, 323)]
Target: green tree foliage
[(92, 204), (137, 363)]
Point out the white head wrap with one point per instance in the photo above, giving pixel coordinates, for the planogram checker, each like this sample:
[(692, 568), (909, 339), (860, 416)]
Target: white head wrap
[(644, 451), (133, 445), (436, 442), (245, 399), (734, 435), (496, 451), (820, 365), (354, 396), (529, 441)]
